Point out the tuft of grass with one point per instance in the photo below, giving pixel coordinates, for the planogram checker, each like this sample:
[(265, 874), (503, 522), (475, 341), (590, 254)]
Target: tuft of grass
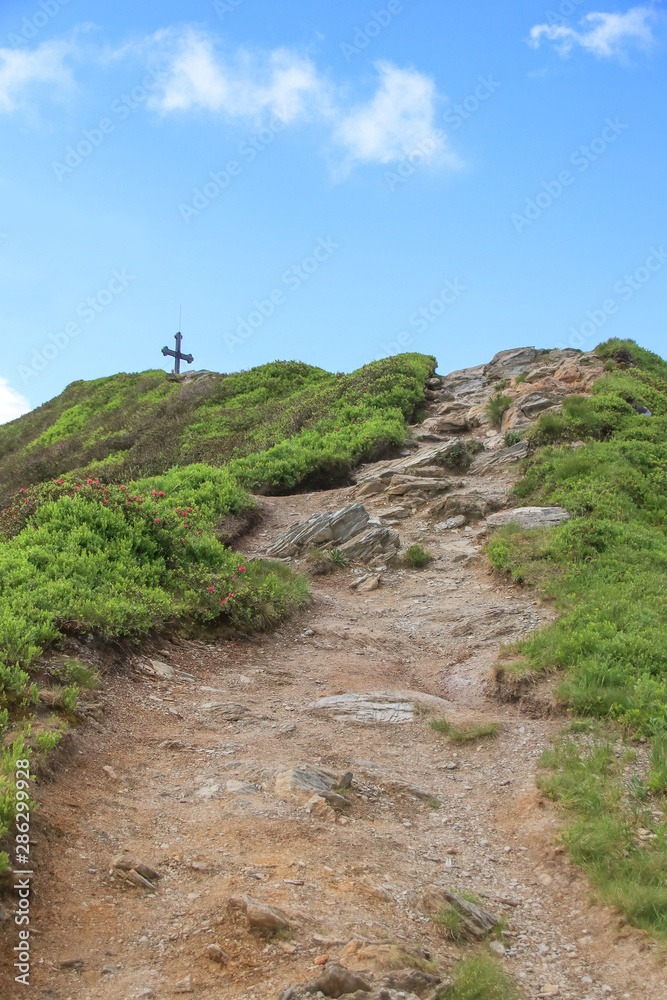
[(496, 408), (481, 978), (521, 377), (86, 677), (467, 734), (449, 922), (513, 437), (417, 557)]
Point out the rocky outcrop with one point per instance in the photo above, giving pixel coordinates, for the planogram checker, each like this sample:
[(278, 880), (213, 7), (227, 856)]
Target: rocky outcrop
[(321, 529), (509, 364), (349, 529)]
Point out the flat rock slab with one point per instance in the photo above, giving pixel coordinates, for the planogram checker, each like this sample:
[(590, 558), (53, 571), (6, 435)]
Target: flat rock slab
[(237, 787), (227, 711), (529, 517), (451, 522), (367, 708)]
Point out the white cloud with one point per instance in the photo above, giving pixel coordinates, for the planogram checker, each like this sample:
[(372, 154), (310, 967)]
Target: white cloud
[(280, 82), (12, 405), (398, 121), (604, 35), (197, 75), (21, 70)]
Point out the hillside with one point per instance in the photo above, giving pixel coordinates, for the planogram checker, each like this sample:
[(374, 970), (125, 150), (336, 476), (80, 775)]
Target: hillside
[(432, 686), (131, 426)]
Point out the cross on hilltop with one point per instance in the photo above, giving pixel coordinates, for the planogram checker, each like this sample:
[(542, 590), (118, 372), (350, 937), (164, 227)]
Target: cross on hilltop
[(177, 354)]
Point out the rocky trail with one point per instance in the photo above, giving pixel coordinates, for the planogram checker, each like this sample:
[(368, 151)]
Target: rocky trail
[(238, 819)]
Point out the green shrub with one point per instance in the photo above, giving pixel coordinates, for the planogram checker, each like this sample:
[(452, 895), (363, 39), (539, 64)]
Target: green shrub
[(513, 437), (47, 740), (496, 408), (69, 697), (521, 377), (417, 557)]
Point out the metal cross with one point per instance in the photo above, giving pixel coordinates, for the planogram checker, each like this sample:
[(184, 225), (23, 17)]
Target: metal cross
[(177, 354)]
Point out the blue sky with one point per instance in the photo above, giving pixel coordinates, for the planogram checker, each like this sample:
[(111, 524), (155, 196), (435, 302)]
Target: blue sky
[(328, 182)]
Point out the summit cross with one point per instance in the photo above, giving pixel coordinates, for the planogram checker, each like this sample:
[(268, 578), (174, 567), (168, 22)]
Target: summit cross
[(177, 354)]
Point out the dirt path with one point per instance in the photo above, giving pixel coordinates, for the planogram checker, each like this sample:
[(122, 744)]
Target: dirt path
[(181, 773)]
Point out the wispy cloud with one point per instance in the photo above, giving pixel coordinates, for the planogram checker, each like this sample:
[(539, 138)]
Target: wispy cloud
[(22, 71), (397, 120), (604, 35), (12, 405), (245, 85)]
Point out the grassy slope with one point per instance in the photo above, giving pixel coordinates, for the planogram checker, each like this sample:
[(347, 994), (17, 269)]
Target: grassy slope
[(606, 570), (127, 427), (87, 553)]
